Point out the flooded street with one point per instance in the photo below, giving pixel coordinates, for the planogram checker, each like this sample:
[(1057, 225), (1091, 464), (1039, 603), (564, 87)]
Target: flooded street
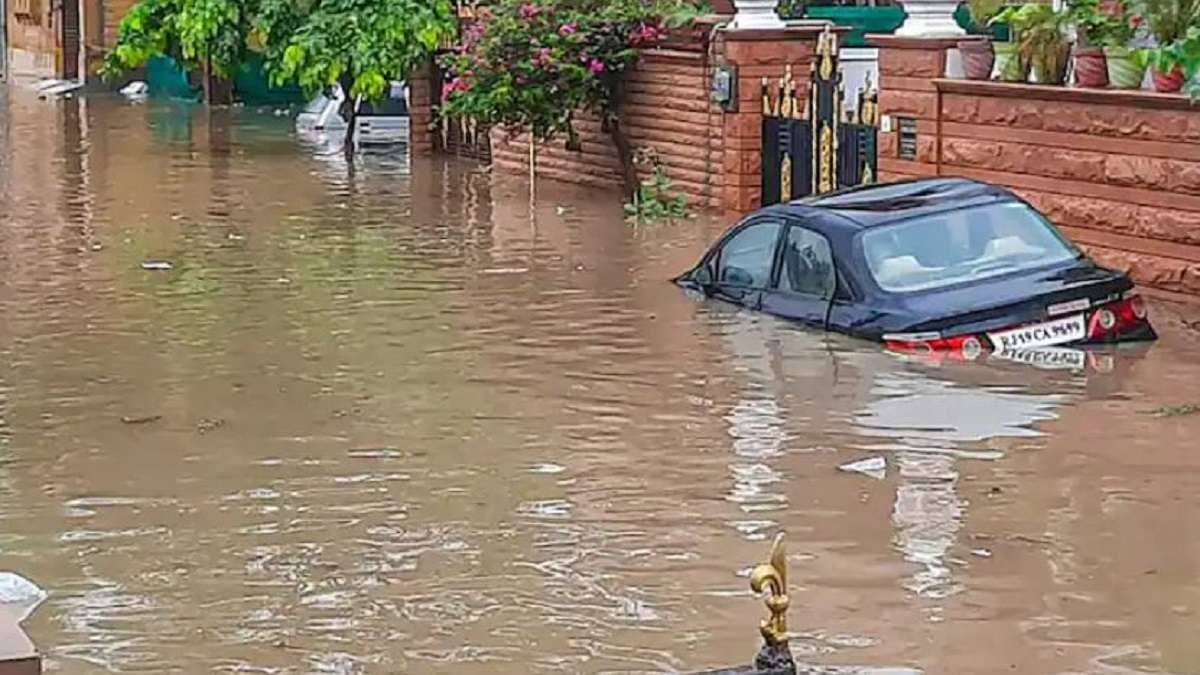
[(381, 420)]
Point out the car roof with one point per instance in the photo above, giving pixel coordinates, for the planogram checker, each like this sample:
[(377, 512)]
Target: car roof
[(875, 205)]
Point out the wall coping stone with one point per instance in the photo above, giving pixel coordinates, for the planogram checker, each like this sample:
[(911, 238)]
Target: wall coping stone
[(795, 30), (925, 43), (1124, 97)]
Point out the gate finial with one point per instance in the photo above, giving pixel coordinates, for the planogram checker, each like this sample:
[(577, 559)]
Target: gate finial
[(771, 576)]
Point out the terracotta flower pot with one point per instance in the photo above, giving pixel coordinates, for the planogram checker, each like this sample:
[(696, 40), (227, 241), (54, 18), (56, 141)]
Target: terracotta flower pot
[(1123, 70), (1091, 68), (1011, 65), (1168, 83), (978, 58)]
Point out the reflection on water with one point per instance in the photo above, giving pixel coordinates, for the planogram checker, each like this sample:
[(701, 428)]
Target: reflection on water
[(381, 418)]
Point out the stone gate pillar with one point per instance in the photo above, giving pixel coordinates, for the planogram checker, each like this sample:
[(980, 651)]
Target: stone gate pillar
[(908, 103), (757, 53)]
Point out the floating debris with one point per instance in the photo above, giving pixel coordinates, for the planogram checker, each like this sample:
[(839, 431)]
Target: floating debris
[(157, 265), (146, 419), (875, 467), (206, 425), (135, 90), (19, 595), (1176, 410), (981, 552)]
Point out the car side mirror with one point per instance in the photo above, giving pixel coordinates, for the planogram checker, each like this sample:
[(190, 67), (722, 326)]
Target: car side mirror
[(703, 278)]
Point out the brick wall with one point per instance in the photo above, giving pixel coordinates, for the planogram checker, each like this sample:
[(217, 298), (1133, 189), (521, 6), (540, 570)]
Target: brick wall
[(667, 109), (907, 70), (421, 123), (711, 155), (31, 38), (1119, 172)]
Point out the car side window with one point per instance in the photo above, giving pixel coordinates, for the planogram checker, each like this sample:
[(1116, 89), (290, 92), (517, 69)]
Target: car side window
[(747, 257), (807, 264)]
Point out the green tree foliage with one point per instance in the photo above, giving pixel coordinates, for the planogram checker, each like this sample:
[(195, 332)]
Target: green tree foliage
[(361, 43), (207, 35)]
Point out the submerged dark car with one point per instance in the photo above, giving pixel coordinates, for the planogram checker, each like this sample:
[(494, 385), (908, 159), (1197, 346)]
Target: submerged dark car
[(925, 265)]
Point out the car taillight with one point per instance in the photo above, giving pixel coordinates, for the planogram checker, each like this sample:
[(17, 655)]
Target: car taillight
[(967, 346), (1117, 317)]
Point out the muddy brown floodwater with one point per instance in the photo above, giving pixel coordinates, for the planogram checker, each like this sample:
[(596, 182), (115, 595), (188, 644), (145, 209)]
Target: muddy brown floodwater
[(380, 421)]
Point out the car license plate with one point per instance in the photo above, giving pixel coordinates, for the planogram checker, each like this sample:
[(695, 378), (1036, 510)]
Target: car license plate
[(1050, 358), (1058, 332)]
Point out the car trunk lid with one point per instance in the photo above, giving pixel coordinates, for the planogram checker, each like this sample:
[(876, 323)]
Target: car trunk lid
[(1017, 299)]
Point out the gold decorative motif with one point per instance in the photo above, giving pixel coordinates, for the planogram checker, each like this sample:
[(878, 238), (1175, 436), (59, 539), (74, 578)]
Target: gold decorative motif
[(766, 97), (868, 176), (827, 49), (771, 577), (825, 178), (785, 178)]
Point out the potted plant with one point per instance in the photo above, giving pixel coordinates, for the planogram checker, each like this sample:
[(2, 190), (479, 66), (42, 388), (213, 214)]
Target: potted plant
[(1041, 40), (1126, 66), (1175, 25), (978, 56), (1092, 28), (1173, 65)]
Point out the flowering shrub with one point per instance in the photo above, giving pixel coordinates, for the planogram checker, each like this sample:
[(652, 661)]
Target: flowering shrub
[(1104, 23), (533, 64)]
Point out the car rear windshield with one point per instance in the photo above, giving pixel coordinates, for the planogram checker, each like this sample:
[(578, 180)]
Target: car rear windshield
[(964, 245)]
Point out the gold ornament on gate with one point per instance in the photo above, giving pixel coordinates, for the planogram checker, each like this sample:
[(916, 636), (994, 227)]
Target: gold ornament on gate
[(771, 577), (825, 172)]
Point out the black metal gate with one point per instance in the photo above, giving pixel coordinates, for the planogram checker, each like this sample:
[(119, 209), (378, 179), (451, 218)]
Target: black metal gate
[(817, 146)]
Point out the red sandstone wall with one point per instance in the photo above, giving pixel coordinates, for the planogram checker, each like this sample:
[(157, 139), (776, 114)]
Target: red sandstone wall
[(1120, 174), (713, 156), (907, 69), (421, 124), (667, 108)]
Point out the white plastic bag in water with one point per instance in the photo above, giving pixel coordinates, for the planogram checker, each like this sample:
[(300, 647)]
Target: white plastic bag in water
[(875, 467), (18, 595)]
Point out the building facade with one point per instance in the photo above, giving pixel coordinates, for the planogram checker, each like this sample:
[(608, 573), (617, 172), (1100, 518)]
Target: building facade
[(63, 39)]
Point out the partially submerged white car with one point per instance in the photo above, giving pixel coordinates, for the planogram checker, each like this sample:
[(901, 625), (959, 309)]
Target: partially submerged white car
[(384, 122)]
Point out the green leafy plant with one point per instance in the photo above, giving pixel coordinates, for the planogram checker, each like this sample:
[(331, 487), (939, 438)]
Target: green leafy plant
[(535, 64), (982, 11), (654, 199), (1182, 55), (1040, 34), (1103, 23), (1169, 20)]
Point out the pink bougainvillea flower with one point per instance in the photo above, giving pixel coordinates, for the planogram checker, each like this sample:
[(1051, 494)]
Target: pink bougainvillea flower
[(646, 33), (529, 10), (596, 66), (567, 29), (452, 87), (1135, 20)]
